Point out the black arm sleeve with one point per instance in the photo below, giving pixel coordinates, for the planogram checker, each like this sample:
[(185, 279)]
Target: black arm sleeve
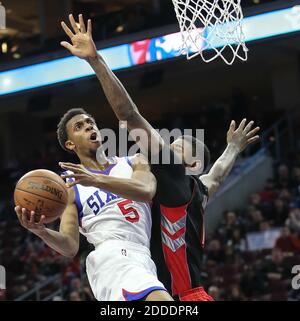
[(174, 187)]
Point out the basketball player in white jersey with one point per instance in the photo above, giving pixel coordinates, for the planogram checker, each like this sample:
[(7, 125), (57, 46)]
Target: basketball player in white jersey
[(120, 267)]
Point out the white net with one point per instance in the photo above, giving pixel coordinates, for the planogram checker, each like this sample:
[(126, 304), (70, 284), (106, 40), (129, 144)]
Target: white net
[(212, 29)]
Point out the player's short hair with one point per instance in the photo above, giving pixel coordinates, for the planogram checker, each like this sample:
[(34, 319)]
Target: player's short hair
[(196, 143), (62, 133)]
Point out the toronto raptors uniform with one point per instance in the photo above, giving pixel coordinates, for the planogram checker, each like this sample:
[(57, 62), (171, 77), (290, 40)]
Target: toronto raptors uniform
[(178, 234), (120, 268)]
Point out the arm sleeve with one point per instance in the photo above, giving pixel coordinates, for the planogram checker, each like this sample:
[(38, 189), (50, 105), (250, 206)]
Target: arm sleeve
[(174, 187)]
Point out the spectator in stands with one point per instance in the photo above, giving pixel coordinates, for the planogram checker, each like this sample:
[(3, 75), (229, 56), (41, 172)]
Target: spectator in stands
[(87, 292), (229, 254), (249, 211), (229, 225), (283, 176), (235, 293), (252, 283), (18, 290), (288, 242), (293, 221), (82, 288), (279, 212), (254, 220), (264, 226), (268, 194), (277, 276), (231, 219), (69, 269), (237, 241), (275, 268), (214, 292), (296, 178), (255, 200), (215, 253), (284, 194), (265, 207), (75, 296), (75, 284)]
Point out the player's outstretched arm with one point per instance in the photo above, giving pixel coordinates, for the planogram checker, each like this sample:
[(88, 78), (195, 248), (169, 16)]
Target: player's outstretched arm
[(237, 140), (141, 187), (66, 241), (83, 46)]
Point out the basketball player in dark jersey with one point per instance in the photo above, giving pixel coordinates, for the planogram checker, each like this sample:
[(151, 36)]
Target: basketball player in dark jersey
[(178, 207)]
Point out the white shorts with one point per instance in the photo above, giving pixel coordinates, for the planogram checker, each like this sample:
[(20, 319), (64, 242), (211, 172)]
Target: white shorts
[(121, 271)]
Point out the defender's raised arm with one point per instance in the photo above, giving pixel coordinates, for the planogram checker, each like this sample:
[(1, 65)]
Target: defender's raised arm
[(82, 46), (237, 140)]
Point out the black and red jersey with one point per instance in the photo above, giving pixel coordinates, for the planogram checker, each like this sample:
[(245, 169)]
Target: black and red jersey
[(178, 233)]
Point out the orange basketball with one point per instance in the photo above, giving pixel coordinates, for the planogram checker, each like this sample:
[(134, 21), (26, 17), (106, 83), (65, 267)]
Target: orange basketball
[(42, 191)]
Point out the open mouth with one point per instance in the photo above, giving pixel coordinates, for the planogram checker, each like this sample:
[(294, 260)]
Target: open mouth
[(93, 136)]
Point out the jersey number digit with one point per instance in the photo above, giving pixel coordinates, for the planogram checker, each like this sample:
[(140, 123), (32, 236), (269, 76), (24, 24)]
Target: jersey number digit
[(130, 213)]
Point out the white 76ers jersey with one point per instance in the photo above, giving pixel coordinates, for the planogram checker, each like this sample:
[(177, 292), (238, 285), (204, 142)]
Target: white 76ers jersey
[(105, 216)]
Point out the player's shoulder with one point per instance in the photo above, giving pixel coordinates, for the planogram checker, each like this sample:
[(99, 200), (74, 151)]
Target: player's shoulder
[(139, 158)]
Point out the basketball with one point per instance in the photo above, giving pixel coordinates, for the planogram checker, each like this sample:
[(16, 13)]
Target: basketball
[(43, 192)]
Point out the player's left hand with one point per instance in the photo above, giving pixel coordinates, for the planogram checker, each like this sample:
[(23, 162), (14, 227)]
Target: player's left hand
[(80, 175), (243, 136), (83, 45)]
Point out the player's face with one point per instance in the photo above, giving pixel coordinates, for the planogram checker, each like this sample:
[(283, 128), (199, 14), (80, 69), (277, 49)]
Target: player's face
[(183, 148), (83, 133)]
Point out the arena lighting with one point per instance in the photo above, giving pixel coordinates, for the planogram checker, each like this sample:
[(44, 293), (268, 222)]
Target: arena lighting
[(260, 26), (4, 47)]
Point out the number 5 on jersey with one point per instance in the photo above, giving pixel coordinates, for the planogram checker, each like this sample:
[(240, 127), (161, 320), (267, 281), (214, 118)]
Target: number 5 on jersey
[(130, 213)]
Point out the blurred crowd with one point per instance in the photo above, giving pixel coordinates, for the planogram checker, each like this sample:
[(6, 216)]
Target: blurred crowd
[(29, 262), (251, 255)]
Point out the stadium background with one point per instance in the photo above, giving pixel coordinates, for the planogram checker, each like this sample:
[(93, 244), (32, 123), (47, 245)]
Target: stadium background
[(253, 223)]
